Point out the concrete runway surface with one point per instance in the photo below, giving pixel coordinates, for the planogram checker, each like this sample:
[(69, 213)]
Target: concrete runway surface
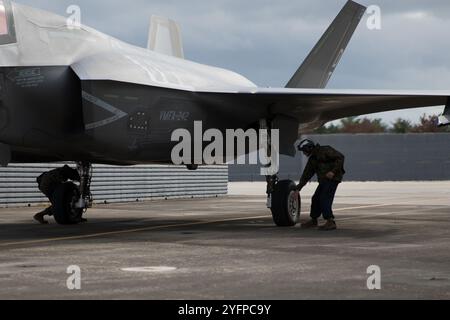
[(228, 248)]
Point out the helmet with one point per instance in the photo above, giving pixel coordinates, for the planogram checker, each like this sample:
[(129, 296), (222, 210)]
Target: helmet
[(306, 146)]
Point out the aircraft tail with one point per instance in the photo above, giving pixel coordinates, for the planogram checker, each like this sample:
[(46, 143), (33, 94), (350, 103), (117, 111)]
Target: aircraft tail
[(318, 67), (165, 37)]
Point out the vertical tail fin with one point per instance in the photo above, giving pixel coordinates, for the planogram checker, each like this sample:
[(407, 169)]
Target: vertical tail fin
[(318, 67), (165, 37)]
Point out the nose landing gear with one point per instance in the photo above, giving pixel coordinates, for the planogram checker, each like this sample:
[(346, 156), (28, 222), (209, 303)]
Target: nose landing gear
[(85, 171), (70, 201)]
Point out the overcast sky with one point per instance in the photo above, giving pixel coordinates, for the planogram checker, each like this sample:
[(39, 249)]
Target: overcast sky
[(266, 40)]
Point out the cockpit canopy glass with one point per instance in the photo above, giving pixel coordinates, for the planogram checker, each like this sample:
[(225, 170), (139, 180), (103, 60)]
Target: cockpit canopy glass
[(7, 30)]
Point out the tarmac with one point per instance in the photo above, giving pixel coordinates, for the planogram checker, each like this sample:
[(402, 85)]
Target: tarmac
[(229, 248)]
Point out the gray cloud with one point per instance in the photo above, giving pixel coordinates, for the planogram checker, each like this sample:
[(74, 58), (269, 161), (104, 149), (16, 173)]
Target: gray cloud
[(267, 40)]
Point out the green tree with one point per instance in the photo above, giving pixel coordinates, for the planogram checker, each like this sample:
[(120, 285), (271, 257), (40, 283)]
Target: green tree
[(429, 124), (355, 125), (401, 126), (328, 129)]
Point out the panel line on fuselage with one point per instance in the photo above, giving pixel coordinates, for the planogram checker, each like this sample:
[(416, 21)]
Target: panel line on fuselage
[(118, 114)]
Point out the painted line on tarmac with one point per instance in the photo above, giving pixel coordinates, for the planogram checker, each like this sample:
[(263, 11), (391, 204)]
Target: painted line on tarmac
[(168, 226)]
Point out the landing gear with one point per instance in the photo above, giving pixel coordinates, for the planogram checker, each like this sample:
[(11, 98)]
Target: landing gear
[(70, 201), (65, 210), (284, 201), (85, 171)]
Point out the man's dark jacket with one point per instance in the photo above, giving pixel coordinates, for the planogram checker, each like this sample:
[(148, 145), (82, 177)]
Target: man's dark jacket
[(324, 159)]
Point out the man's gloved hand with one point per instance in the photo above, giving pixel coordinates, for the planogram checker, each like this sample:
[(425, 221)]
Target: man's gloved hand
[(330, 175)]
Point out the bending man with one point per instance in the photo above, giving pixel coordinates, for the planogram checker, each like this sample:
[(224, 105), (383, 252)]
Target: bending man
[(328, 164)]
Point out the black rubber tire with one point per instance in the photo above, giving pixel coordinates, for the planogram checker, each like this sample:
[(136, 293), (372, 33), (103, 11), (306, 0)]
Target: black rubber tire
[(283, 193), (63, 200)]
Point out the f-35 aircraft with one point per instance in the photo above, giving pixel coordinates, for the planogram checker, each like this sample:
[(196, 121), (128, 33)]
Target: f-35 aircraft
[(74, 94)]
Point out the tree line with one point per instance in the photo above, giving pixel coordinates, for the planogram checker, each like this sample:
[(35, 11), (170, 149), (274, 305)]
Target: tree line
[(365, 125)]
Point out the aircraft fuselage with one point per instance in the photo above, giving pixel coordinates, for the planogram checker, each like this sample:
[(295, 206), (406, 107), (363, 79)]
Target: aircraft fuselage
[(49, 114)]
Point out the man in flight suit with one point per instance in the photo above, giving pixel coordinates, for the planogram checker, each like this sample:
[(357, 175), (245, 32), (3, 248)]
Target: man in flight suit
[(328, 164), (48, 182)]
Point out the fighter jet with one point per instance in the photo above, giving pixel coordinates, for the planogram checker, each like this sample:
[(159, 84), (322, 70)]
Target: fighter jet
[(71, 93)]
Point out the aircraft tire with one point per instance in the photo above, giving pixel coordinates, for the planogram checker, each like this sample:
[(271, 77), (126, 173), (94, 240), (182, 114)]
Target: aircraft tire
[(64, 198), (286, 204)]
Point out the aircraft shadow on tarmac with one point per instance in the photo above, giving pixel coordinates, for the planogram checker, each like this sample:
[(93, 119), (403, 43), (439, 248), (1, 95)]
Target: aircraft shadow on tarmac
[(100, 230)]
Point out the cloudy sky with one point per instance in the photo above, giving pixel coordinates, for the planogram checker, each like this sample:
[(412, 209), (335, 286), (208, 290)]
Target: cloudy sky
[(266, 40)]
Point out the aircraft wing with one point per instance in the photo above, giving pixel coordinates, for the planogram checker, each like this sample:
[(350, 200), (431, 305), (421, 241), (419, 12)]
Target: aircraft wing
[(295, 111), (314, 107)]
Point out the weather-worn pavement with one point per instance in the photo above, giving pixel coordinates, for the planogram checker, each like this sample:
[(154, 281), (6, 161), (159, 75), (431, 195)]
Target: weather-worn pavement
[(228, 248)]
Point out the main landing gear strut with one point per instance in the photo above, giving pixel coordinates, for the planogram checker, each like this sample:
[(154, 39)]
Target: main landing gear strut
[(283, 199), (71, 201)]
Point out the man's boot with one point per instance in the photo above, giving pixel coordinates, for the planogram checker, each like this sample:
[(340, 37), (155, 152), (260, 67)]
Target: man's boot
[(310, 224), (329, 225), (39, 217)]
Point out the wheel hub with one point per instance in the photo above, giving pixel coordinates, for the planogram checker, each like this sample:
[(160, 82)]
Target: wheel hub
[(293, 203)]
